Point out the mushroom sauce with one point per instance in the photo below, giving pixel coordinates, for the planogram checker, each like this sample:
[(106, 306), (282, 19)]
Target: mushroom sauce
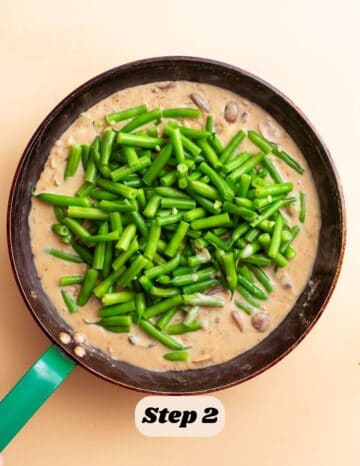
[(224, 335)]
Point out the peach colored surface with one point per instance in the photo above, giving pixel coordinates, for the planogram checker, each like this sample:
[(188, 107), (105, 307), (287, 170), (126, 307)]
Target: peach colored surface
[(305, 410)]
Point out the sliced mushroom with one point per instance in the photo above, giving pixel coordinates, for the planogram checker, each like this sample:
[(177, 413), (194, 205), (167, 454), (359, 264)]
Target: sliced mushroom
[(239, 319), (244, 116), (203, 358), (231, 112), (200, 102), (270, 130), (139, 341), (166, 85), (260, 321)]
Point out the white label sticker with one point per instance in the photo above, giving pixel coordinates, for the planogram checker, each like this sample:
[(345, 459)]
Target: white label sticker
[(180, 416)]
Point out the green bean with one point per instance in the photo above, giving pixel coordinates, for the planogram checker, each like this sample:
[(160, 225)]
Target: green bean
[(90, 213), (199, 299), (276, 237), (118, 206), (108, 258), (217, 242), (204, 203), (104, 287), (273, 189), (252, 235), (140, 304), (245, 168), (75, 227), (117, 328), (177, 356), (247, 214), (72, 161), (140, 223), (85, 153), (168, 179), (194, 133), (116, 222), (119, 297), (257, 259), (182, 204), (230, 270), (177, 145), (239, 231), (287, 159), (200, 286), (249, 250), (263, 278), (113, 118), (180, 329), (160, 292), (59, 229), (244, 185), (152, 241), (236, 162), (69, 280), (133, 271), (302, 207), (163, 306), (211, 222), (278, 259), (166, 340), (245, 272), (123, 172), (216, 144), (232, 146), (101, 195), (203, 189), (158, 164), (126, 237), (62, 200), (194, 214), (142, 119), (182, 112), (164, 279), (260, 142), (118, 309), (268, 212), (106, 146), (202, 257), (99, 254), (293, 233), (221, 185), (289, 253), (84, 190), (69, 302), (83, 252), (130, 155), (245, 307), (270, 167), (183, 270), (193, 277), (209, 153), (169, 219), (164, 268), (66, 256), (114, 321), (100, 238), (170, 192), (248, 296), (87, 286)]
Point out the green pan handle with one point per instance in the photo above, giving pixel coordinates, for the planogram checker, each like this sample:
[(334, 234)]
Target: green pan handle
[(32, 390)]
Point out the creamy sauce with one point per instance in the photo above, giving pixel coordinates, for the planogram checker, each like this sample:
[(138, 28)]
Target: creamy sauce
[(221, 338)]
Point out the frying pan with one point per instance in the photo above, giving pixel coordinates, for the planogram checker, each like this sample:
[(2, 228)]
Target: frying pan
[(59, 360)]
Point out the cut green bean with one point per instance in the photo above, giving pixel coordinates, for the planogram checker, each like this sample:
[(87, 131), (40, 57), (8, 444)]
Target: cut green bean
[(199, 299), (113, 118), (260, 142), (163, 306), (126, 237), (180, 329), (287, 159), (211, 222), (63, 200), (164, 268), (87, 286), (66, 256), (69, 302), (72, 161), (166, 340), (302, 207), (232, 146), (221, 185), (158, 164), (142, 119), (181, 112)]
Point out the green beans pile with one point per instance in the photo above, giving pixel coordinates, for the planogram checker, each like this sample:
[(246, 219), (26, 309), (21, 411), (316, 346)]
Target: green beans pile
[(163, 216)]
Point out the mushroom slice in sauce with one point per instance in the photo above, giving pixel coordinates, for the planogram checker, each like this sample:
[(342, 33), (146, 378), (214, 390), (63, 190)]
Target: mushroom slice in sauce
[(231, 112), (166, 85), (270, 130), (238, 318), (200, 102), (260, 321)]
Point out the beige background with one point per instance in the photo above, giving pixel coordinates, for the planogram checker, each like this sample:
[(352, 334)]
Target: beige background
[(306, 410)]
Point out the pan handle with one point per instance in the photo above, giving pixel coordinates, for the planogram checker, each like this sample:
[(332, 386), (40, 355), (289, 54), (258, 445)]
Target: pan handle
[(32, 390)]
